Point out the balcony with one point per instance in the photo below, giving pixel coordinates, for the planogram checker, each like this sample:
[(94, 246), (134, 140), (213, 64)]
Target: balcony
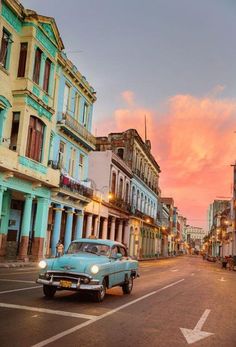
[(73, 186), (26, 168), (143, 216), (74, 129), (121, 204)]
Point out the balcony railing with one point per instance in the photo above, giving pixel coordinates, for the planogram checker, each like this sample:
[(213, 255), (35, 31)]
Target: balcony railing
[(121, 204), (75, 187), (78, 128)]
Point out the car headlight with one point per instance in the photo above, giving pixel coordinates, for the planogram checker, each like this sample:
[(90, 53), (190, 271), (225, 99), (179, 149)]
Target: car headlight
[(94, 269), (42, 264)]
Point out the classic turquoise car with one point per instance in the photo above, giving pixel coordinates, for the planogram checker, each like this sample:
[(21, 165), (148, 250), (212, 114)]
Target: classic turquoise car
[(89, 265)]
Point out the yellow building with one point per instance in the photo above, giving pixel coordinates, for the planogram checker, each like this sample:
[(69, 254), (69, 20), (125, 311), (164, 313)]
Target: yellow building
[(29, 46)]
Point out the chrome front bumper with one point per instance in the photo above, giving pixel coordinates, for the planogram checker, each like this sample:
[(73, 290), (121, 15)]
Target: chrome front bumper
[(74, 286)]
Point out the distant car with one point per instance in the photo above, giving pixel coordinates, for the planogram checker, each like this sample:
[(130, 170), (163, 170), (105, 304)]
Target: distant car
[(89, 265)]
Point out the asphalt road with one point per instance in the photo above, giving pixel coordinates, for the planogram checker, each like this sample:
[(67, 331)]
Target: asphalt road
[(182, 292)]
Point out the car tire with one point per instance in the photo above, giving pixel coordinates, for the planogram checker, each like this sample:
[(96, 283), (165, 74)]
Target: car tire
[(49, 291), (128, 285), (100, 294)]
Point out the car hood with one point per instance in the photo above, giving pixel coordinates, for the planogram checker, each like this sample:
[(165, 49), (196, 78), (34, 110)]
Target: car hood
[(77, 262)]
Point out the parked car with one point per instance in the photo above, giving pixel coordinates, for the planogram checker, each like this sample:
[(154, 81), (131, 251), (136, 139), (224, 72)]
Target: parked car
[(89, 265)]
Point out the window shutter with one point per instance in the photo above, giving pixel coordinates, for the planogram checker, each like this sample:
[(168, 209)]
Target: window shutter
[(22, 59)]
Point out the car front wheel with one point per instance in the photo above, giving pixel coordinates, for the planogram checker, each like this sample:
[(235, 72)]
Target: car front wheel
[(49, 291), (100, 294), (128, 286)]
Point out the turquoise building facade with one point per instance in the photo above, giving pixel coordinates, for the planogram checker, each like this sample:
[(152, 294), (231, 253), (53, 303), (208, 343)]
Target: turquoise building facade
[(34, 185)]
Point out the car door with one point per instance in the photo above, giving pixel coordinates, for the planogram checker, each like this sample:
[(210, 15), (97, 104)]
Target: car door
[(121, 264)]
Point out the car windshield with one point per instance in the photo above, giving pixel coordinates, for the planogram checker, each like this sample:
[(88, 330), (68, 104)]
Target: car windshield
[(95, 248)]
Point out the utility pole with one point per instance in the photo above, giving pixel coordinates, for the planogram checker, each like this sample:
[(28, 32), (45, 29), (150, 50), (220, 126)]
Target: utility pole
[(234, 211)]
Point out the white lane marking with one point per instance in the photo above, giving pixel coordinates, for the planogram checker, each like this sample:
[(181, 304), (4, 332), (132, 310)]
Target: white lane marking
[(20, 281), (80, 326), (222, 279), (45, 310), (196, 334), (18, 290)]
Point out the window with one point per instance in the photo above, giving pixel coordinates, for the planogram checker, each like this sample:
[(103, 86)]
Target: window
[(85, 116), (46, 75), (14, 130), (61, 155), (5, 48), (22, 59), (81, 167), (121, 188), (113, 183), (127, 193), (120, 153), (35, 139), (37, 64), (66, 99), (76, 106)]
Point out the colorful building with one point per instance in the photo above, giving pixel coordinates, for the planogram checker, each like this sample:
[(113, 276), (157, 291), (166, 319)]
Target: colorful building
[(45, 122)]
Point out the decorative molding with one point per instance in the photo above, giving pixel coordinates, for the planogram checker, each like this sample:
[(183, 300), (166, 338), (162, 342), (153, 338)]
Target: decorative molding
[(48, 29), (39, 108), (11, 18), (47, 44), (45, 99), (32, 165), (36, 91)]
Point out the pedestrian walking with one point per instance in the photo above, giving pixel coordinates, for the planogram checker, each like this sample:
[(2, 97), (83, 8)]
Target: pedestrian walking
[(59, 248), (224, 262), (231, 262)]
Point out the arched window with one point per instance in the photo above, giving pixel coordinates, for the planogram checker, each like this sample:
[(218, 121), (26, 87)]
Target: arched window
[(133, 197), (35, 139), (127, 193), (138, 200), (113, 183), (121, 188)]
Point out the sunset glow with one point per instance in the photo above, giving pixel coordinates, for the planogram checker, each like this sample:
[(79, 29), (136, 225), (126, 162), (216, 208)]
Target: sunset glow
[(193, 141)]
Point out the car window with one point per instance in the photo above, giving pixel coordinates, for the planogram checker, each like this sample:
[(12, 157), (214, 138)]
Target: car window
[(114, 250), (123, 251), (96, 248)]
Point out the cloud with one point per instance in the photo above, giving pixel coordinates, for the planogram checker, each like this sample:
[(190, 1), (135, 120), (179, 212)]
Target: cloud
[(194, 143)]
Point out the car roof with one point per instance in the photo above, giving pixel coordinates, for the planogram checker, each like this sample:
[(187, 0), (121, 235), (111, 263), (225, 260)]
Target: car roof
[(101, 241)]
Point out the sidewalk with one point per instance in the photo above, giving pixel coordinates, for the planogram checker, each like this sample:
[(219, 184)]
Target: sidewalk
[(16, 264)]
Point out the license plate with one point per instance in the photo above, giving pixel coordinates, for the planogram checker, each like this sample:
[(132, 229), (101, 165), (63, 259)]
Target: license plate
[(65, 284)]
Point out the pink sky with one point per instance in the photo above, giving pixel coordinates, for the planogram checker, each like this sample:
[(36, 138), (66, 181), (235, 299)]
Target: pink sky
[(193, 141)]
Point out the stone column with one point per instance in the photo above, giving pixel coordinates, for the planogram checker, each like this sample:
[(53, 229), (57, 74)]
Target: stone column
[(56, 228), (25, 227), (96, 227), (120, 231), (79, 225), (41, 225), (126, 234), (68, 232), (113, 225), (104, 229), (89, 225), (4, 218), (2, 190)]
